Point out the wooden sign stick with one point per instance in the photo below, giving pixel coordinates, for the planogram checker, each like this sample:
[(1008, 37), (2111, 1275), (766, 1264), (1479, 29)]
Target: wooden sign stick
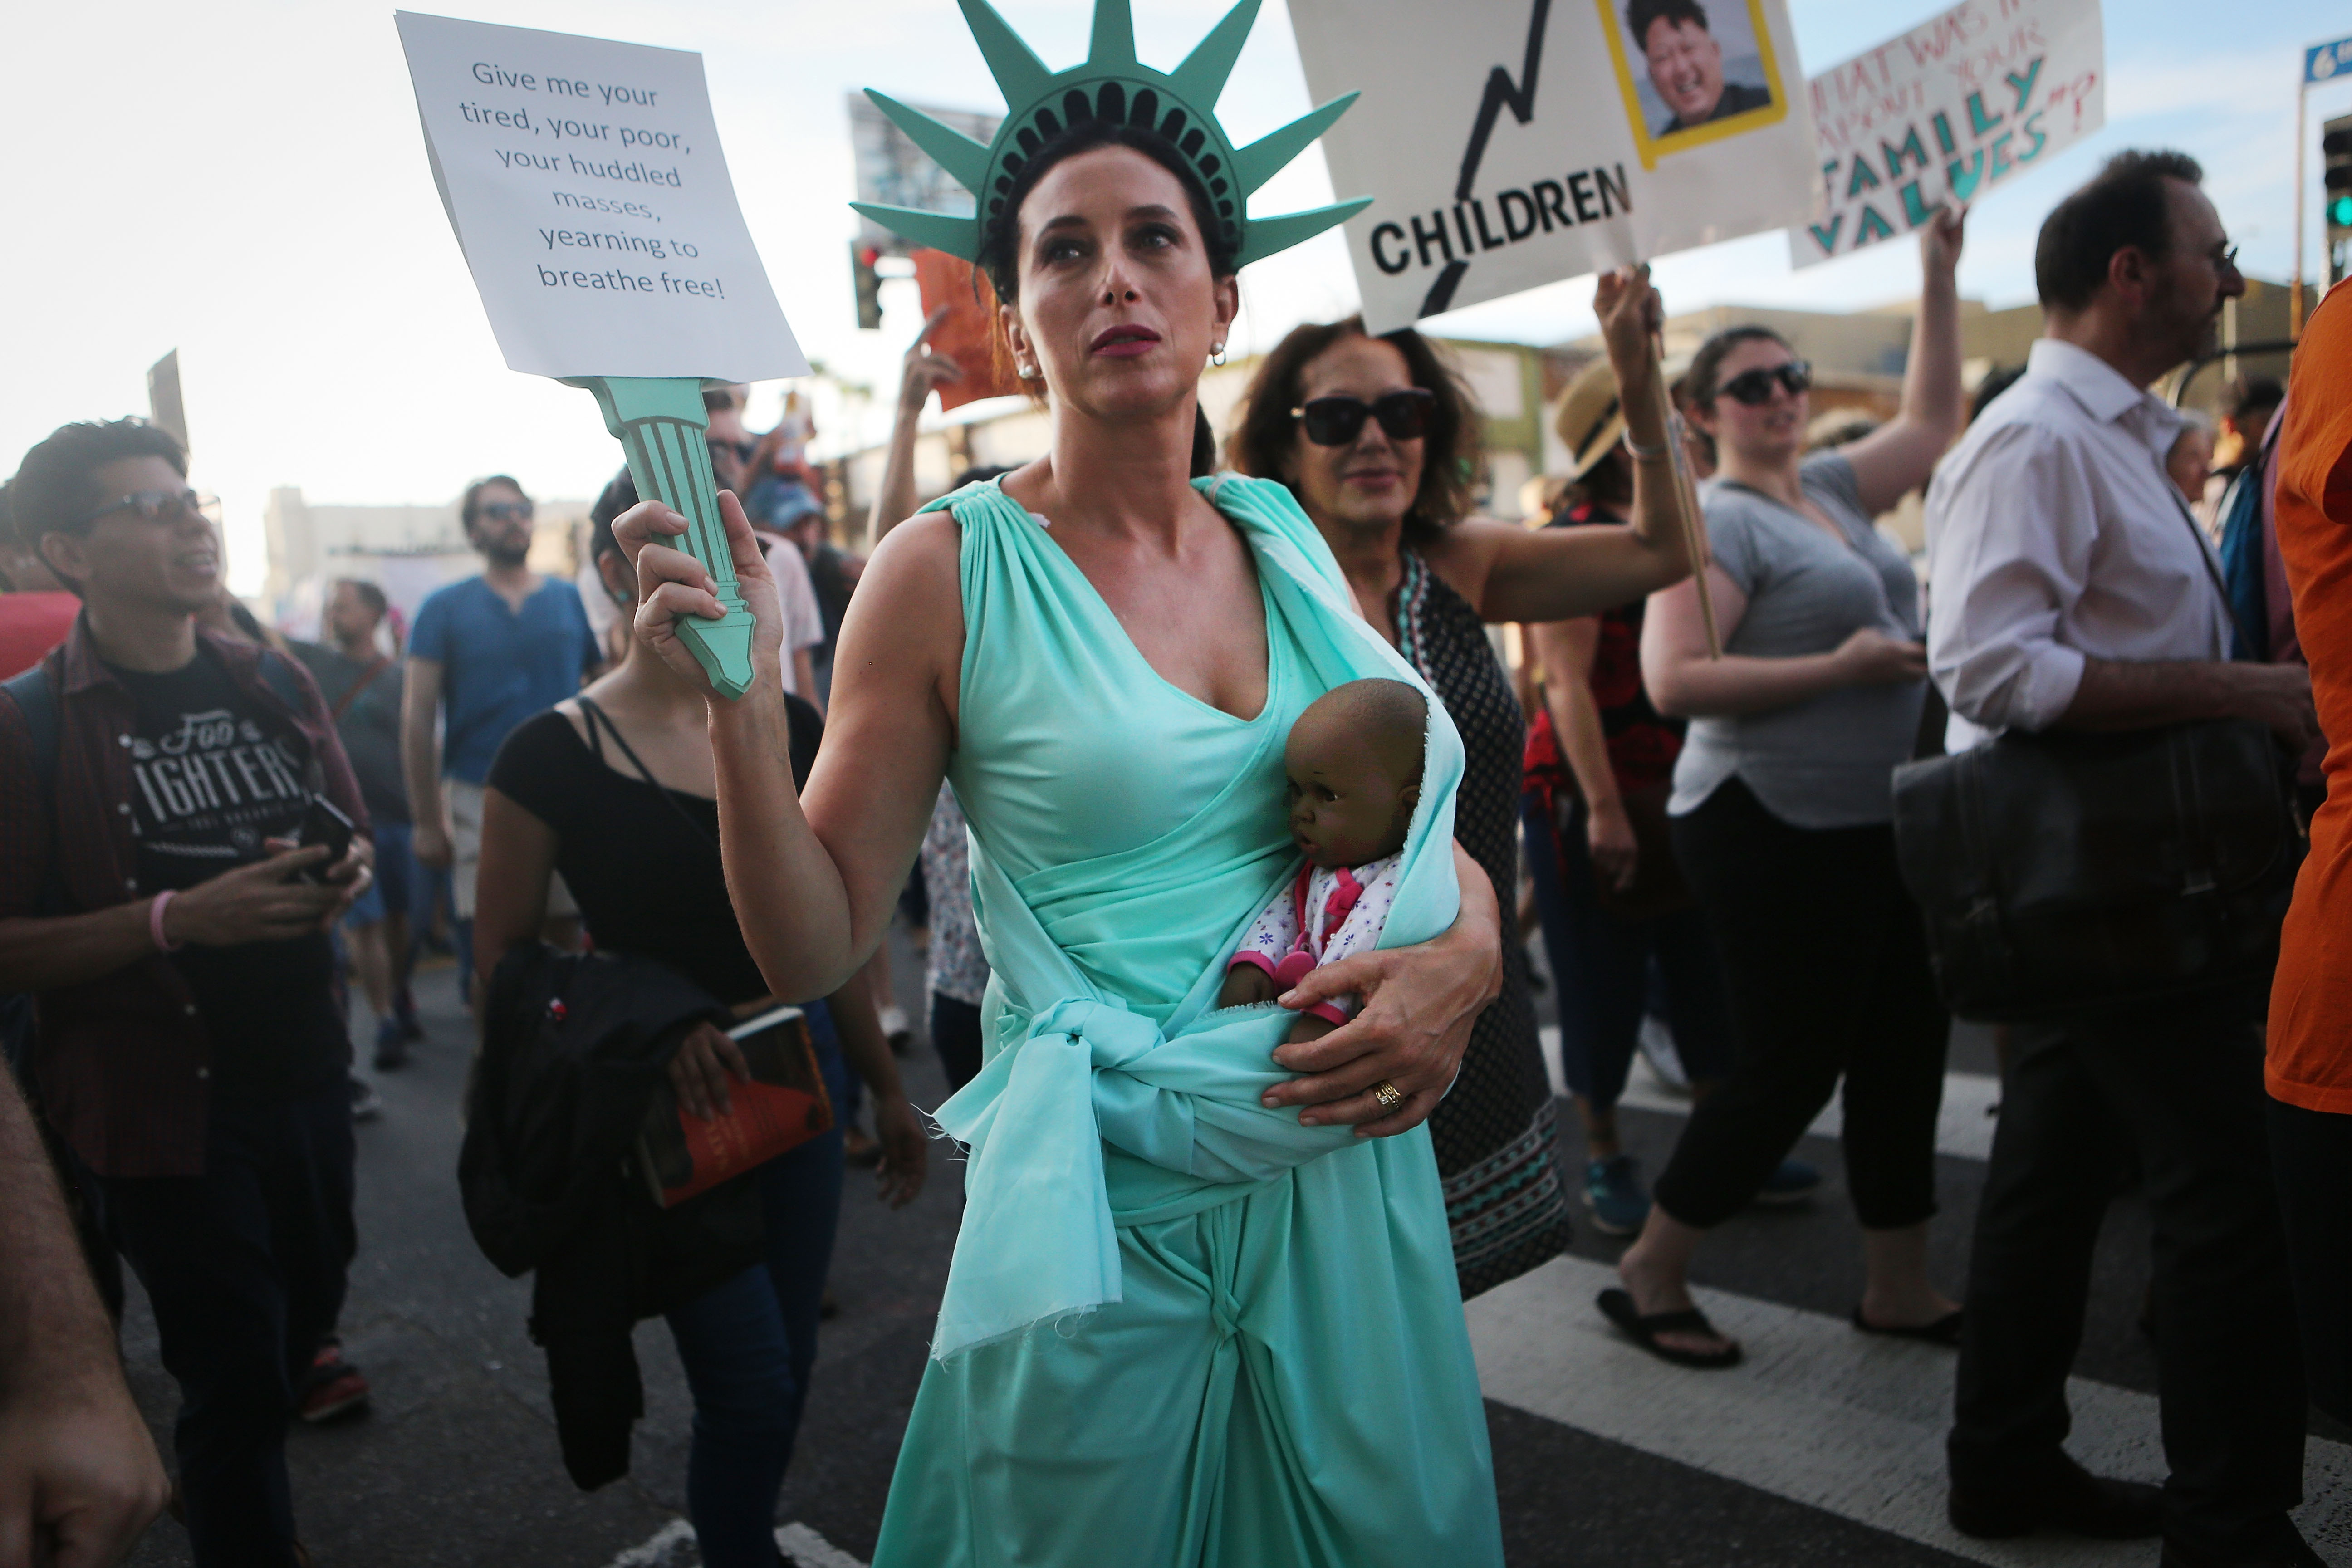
[(659, 422), (1693, 520)]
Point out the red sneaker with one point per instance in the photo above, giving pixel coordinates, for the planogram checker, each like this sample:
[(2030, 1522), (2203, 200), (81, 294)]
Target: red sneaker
[(334, 1387)]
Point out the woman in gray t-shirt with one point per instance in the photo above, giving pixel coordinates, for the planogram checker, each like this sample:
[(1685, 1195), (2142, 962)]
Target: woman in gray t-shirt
[(1780, 820)]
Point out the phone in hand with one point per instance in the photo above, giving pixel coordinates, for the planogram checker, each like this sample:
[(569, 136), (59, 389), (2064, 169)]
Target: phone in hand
[(322, 824)]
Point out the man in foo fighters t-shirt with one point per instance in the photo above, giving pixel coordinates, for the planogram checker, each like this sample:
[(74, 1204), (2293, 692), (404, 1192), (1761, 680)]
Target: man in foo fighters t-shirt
[(189, 1049)]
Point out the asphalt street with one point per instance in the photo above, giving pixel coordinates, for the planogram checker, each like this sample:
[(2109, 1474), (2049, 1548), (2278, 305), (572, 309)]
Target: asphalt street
[(1824, 1450)]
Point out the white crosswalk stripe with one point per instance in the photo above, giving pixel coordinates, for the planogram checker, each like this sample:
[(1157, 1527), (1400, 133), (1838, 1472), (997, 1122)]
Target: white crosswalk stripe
[(1819, 1413), (672, 1546), (806, 1548), (1963, 1128)]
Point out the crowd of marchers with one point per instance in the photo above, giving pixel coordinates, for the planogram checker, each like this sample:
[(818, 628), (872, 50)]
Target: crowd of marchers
[(1723, 790)]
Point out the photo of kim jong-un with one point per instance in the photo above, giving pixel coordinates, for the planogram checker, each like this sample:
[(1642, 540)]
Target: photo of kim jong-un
[(1693, 70)]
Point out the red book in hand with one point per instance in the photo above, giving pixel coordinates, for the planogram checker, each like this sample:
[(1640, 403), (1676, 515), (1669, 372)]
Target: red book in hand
[(782, 1107)]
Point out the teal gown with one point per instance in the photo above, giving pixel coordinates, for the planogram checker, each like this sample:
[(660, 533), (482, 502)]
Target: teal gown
[(1181, 1330)]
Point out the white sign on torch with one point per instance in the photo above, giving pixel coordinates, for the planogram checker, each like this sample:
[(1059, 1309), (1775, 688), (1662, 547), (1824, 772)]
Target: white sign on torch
[(1946, 112), (590, 195)]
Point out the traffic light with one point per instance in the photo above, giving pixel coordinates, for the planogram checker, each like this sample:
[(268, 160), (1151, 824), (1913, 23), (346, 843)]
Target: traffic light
[(862, 257), (2335, 195)]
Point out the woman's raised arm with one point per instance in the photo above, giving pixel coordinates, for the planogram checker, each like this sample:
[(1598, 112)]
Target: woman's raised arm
[(1562, 573), (813, 889), (1901, 455)]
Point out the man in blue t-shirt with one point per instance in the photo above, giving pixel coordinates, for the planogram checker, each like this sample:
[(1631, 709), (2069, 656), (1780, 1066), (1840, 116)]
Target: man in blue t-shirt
[(486, 654)]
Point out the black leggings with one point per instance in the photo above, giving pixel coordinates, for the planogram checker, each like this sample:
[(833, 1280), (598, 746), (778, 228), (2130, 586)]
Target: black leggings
[(1827, 967)]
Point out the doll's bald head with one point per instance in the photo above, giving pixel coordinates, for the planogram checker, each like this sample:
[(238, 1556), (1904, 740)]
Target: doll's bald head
[(1354, 764)]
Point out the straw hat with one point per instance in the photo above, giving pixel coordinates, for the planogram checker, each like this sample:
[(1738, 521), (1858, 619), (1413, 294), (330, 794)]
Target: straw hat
[(1590, 420)]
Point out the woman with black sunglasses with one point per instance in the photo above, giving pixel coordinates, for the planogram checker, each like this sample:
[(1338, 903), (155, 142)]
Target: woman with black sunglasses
[(1780, 820), (1379, 442)]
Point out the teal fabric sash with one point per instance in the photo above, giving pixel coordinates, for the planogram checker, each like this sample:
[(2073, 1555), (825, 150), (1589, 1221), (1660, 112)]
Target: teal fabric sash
[(1116, 1093)]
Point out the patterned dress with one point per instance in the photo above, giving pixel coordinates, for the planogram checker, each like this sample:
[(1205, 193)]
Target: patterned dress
[(1496, 1137), (955, 967)]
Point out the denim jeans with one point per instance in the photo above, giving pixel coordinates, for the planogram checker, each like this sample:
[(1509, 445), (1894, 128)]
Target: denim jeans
[(749, 1345), (433, 898), (397, 888), (1610, 971), (245, 1266), (849, 1095)]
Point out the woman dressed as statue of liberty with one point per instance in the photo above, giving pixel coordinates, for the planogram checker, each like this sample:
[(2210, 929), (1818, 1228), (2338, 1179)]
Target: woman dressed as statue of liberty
[(1202, 1309)]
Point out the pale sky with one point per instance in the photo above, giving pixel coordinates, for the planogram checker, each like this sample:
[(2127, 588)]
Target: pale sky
[(245, 180)]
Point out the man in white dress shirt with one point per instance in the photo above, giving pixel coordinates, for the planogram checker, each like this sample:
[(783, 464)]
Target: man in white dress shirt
[(2069, 589)]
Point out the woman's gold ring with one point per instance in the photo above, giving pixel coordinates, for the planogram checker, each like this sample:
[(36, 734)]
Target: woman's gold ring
[(1388, 1094)]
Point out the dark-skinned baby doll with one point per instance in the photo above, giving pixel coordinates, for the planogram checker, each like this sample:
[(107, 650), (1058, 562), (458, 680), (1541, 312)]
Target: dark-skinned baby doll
[(1353, 762)]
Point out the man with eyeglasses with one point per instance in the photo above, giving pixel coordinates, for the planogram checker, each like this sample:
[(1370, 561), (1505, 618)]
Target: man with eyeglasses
[(486, 654), (154, 781), (2072, 591)]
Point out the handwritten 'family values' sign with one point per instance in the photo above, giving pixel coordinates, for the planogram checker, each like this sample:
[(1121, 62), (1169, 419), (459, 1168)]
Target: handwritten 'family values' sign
[(1522, 142), (1946, 112), (586, 184)]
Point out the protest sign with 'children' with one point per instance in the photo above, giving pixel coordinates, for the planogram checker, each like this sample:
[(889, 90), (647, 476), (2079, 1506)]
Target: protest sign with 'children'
[(1515, 143)]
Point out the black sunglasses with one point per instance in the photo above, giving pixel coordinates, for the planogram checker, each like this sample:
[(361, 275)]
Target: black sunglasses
[(505, 511), (1754, 387), (1337, 421)]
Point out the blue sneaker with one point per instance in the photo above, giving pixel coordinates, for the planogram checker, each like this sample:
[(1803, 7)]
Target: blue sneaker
[(1614, 1193), (1793, 1182), (391, 1046)]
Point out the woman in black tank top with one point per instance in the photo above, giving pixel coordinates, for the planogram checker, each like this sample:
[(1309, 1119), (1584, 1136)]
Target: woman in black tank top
[(615, 790)]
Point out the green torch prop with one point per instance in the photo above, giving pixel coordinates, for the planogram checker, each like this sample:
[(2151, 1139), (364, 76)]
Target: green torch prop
[(659, 422)]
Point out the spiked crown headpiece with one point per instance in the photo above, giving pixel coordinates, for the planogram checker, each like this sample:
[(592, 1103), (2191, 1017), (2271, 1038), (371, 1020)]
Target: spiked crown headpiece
[(1112, 86)]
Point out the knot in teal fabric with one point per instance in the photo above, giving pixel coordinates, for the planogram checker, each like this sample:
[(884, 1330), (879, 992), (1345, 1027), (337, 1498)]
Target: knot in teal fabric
[(1113, 1037)]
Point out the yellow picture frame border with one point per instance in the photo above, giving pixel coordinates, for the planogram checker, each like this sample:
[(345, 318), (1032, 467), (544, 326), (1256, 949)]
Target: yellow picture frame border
[(1649, 148)]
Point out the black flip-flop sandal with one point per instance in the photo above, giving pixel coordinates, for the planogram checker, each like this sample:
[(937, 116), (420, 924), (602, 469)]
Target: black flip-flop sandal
[(1618, 1307), (1944, 1330)]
